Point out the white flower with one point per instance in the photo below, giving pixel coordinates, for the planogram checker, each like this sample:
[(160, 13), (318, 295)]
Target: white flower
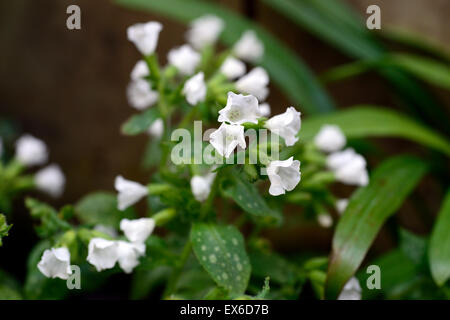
[(240, 109), (286, 125), (108, 230), (50, 180), (204, 31), (264, 109), (325, 220), (283, 175), (145, 36), (351, 291), (185, 59), (348, 167), (249, 47), (195, 89), (55, 263), (341, 205), (137, 230), (330, 138), (102, 253), (140, 70), (130, 192), (233, 68), (140, 95), (227, 138), (156, 129), (255, 83), (129, 254), (201, 186), (31, 151)]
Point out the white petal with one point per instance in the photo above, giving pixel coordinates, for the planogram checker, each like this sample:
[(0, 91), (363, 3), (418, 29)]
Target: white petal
[(129, 254), (55, 263), (341, 205), (195, 89), (201, 186), (249, 47), (31, 151), (156, 128), (227, 138), (102, 253), (264, 109), (185, 59), (50, 180), (255, 83), (283, 175), (325, 220), (240, 109), (286, 125), (351, 291), (145, 36), (233, 68), (137, 230), (204, 31), (339, 159), (130, 192), (330, 139), (140, 95), (140, 70)]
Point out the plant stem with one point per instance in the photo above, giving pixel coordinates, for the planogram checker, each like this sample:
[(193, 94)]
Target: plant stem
[(176, 273)]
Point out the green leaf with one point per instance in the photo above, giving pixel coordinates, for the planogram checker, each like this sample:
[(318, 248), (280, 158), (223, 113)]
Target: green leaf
[(4, 228), (285, 68), (439, 251), (368, 209), (51, 223), (274, 266), (221, 251), (101, 208), (9, 287), (246, 195), (140, 122), (372, 121)]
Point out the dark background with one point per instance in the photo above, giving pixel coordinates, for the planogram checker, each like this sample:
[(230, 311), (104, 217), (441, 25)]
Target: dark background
[(68, 89)]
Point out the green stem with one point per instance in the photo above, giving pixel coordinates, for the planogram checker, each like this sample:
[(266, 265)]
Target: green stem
[(176, 273)]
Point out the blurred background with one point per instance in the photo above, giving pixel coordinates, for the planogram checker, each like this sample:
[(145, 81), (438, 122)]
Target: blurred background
[(68, 88)]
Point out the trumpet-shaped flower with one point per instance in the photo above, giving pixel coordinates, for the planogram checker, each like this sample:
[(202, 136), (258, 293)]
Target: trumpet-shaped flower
[(102, 253), (201, 186), (233, 68), (140, 95), (240, 109), (249, 47), (283, 175), (185, 59), (348, 167), (330, 138), (156, 129), (227, 138), (195, 89), (204, 31), (138, 230), (140, 70), (55, 263), (351, 291), (145, 36), (50, 180), (130, 192), (286, 125), (31, 151), (129, 254), (255, 83), (264, 109)]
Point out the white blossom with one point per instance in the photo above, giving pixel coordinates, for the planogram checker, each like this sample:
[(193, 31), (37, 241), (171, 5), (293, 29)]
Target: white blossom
[(55, 263), (201, 186), (264, 109), (140, 70), (286, 125), (185, 59), (233, 68), (255, 83), (145, 36), (341, 205), (140, 95), (129, 254), (31, 151), (351, 291), (283, 175), (325, 220), (195, 89), (204, 31), (240, 109), (249, 47), (130, 192), (108, 230), (348, 167), (102, 253), (137, 230), (330, 138), (50, 180), (227, 138), (156, 129)]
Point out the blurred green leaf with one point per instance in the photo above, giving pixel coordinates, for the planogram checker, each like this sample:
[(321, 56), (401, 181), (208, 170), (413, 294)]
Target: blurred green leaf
[(439, 251), (51, 223), (274, 266), (140, 122), (236, 187), (101, 208), (287, 70), (9, 287), (4, 228), (368, 209), (221, 251), (372, 121)]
